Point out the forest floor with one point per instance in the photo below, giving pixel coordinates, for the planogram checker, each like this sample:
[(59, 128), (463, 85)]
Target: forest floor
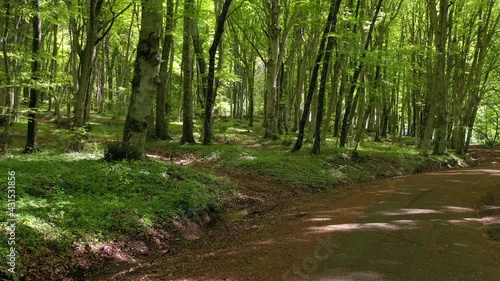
[(79, 214), (432, 226)]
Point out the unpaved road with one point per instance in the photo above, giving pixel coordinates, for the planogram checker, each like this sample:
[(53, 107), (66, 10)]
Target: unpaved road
[(424, 227)]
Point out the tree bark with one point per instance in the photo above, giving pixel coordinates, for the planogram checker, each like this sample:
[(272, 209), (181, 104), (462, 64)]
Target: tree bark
[(187, 69), (211, 91), (329, 27), (163, 107), (86, 59), (440, 145), (31, 145), (273, 8), (324, 77), (346, 122), (145, 78)]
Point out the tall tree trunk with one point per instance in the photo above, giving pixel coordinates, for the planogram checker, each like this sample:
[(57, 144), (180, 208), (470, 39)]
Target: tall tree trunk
[(31, 145), (334, 95), (162, 119), (145, 78), (329, 27), (346, 122), (187, 69), (440, 145), (273, 8), (335, 4), (251, 92), (6, 91), (86, 61), (211, 91)]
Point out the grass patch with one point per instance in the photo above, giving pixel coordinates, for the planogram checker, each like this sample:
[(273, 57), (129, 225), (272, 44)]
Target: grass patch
[(333, 167), (67, 198), (78, 197)]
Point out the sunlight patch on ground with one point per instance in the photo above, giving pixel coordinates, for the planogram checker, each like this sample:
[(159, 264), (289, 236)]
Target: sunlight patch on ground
[(490, 220), (456, 181), (354, 227), (237, 130), (184, 161), (356, 276), (455, 209), (405, 222), (402, 212), (487, 221), (471, 172), (319, 219), (461, 222), (490, 208), (264, 242)]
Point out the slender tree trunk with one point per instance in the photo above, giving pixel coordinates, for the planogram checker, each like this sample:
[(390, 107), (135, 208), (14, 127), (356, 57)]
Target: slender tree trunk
[(346, 122), (333, 95), (329, 27), (211, 92), (86, 62), (187, 69), (324, 77), (162, 120), (31, 144), (251, 93)]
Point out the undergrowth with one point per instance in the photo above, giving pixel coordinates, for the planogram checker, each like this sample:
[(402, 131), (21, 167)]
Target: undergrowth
[(77, 197)]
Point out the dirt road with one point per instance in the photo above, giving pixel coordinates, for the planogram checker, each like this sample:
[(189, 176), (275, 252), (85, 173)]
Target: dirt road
[(422, 227)]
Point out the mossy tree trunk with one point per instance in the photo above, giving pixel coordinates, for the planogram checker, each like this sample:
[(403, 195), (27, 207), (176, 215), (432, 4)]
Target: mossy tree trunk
[(273, 8), (145, 78)]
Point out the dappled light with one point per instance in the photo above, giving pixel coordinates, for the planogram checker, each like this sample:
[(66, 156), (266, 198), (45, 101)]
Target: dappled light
[(455, 209), (355, 276), (487, 221), (356, 227), (403, 212), (319, 219), (492, 172), (231, 140)]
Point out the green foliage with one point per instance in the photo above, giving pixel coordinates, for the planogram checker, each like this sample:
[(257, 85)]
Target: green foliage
[(487, 129), (330, 169), (79, 137), (76, 198)]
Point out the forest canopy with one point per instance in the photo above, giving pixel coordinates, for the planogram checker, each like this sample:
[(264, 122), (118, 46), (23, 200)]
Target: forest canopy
[(327, 70)]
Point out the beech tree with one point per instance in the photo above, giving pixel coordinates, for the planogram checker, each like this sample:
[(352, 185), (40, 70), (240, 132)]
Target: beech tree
[(382, 70), (187, 70), (145, 79), (31, 145)]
